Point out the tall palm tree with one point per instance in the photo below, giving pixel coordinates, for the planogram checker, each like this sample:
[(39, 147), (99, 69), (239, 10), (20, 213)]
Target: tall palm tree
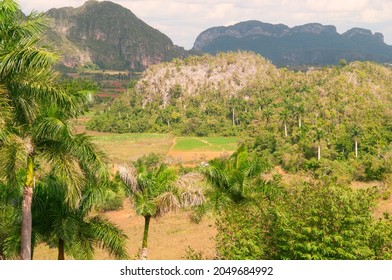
[(49, 144), (38, 128), (69, 228), (156, 190)]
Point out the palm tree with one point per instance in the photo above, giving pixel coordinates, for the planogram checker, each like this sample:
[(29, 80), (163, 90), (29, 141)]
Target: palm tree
[(156, 190), (234, 179), (319, 134), (38, 128), (24, 77), (356, 133), (284, 115), (49, 143), (70, 229), (74, 229)]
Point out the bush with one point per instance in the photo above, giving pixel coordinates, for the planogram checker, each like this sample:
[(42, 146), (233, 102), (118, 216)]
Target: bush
[(192, 254), (112, 202), (320, 221)]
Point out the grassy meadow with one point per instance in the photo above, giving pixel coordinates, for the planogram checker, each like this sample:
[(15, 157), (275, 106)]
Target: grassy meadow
[(130, 146)]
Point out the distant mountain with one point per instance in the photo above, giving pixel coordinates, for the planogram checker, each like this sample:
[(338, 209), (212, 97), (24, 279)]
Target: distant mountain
[(109, 35), (309, 44)]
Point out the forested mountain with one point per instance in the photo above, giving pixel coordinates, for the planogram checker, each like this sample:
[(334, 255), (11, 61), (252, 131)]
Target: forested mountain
[(187, 95), (309, 44), (108, 35)]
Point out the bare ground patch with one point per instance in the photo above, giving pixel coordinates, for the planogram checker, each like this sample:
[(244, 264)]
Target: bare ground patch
[(195, 157), (169, 236)]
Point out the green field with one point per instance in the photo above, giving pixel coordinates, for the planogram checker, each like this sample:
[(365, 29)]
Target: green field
[(213, 144)]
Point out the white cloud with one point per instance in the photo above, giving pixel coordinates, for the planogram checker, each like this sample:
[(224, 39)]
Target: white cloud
[(183, 20)]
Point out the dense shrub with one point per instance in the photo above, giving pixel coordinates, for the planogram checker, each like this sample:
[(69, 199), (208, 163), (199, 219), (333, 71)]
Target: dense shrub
[(318, 221)]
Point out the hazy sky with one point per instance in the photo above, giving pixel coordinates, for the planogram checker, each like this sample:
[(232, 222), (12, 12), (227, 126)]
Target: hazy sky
[(184, 20)]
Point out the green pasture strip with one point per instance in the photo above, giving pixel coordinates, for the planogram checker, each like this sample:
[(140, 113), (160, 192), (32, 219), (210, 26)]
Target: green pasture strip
[(189, 144), (116, 137), (227, 143), (214, 144)]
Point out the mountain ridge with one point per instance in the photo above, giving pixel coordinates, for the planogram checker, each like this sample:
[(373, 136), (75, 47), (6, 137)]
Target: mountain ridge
[(114, 38), (311, 43)]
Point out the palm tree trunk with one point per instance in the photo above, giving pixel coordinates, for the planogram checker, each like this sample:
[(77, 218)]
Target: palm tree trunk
[(61, 255), (27, 220), (143, 254), (233, 116), (285, 130), (319, 152)]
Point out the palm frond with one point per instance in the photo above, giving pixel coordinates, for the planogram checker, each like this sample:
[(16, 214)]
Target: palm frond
[(5, 111), (144, 205), (189, 179), (69, 173), (74, 157), (50, 128), (91, 158), (109, 236), (82, 246), (18, 24), (35, 23), (192, 196), (8, 6), (94, 193), (40, 86), (12, 244), (190, 192), (13, 155), (216, 176), (128, 176), (166, 202), (25, 56)]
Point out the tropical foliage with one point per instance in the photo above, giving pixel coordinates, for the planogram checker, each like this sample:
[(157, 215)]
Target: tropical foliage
[(318, 219), (36, 136), (311, 221)]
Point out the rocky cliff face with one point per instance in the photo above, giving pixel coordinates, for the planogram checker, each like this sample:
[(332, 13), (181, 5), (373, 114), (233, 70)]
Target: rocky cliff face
[(108, 35), (311, 43)]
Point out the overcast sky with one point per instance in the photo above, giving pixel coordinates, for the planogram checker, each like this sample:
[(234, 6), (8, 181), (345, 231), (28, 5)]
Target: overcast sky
[(184, 20)]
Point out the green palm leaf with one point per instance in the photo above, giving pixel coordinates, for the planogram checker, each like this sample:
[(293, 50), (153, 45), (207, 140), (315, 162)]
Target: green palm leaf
[(108, 236)]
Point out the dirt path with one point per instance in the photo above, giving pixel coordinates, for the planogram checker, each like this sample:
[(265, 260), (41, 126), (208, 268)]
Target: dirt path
[(173, 145)]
